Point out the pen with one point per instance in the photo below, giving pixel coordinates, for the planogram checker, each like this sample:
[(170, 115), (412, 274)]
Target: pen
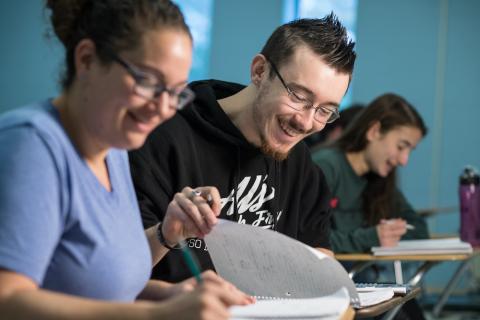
[(199, 194), (188, 256), (190, 261), (408, 226)]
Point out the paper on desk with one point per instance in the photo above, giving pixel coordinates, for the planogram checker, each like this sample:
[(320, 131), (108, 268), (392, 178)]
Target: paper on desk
[(370, 298), (426, 246), (327, 307), (265, 263)]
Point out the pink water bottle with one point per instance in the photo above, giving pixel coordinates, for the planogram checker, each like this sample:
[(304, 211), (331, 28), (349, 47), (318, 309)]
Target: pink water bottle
[(470, 206)]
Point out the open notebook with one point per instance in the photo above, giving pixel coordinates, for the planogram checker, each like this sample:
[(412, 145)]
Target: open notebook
[(268, 264), (327, 307)]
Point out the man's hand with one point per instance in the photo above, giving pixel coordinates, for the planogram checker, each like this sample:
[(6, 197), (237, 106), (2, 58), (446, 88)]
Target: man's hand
[(192, 213)]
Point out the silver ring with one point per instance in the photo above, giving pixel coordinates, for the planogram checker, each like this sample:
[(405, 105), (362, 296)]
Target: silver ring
[(196, 193)]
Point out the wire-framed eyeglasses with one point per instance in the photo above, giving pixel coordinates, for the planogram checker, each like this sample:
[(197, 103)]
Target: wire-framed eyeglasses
[(298, 102), (149, 86)]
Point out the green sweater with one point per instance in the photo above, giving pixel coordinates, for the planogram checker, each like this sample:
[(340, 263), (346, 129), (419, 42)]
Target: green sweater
[(350, 232)]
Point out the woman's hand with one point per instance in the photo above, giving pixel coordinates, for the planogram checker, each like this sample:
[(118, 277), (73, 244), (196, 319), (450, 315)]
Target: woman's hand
[(391, 231), (190, 284), (209, 300)]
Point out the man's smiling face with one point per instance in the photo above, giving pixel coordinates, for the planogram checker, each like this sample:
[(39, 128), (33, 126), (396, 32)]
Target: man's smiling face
[(280, 127)]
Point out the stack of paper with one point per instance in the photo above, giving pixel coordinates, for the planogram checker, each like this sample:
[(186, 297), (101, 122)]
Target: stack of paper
[(429, 246)]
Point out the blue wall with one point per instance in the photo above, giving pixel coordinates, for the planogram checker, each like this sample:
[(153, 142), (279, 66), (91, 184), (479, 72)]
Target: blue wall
[(30, 63), (240, 29), (426, 51), (399, 56)]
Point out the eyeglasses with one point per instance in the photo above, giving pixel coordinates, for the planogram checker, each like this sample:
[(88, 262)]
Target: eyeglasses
[(149, 87), (300, 103)]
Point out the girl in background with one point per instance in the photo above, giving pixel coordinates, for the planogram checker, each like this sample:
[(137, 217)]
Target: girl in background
[(367, 207), (360, 168)]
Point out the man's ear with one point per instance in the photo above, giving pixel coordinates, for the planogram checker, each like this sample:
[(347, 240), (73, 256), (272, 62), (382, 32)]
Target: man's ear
[(258, 69), (374, 132), (85, 53)]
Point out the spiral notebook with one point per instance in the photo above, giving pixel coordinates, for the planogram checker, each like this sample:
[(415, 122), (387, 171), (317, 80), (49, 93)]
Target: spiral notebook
[(328, 307), (265, 263)]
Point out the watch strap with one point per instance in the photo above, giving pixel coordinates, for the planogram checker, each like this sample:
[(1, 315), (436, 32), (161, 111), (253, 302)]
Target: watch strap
[(162, 240)]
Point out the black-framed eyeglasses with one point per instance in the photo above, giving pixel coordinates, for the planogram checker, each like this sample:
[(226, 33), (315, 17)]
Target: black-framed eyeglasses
[(149, 87), (300, 103)]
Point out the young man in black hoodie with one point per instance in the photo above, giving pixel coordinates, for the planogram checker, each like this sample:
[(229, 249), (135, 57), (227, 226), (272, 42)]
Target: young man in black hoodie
[(244, 141)]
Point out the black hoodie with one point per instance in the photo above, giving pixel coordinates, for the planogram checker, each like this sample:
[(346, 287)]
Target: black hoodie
[(200, 146)]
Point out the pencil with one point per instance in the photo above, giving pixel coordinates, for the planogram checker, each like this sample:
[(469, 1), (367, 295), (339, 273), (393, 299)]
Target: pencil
[(190, 261)]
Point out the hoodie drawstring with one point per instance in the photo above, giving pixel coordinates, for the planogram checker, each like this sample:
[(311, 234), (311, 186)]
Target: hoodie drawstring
[(276, 205), (236, 178)]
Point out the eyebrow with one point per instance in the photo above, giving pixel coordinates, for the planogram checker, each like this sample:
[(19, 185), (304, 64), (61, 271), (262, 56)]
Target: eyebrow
[(408, 144), (147, 69), (298, 87)]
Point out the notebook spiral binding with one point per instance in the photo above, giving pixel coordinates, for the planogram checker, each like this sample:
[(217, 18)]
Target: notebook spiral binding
[(273, 298), (355, 302)]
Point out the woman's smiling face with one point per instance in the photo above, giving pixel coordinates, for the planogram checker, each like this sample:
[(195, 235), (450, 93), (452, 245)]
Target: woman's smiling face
[(119, 116), (386, 151)]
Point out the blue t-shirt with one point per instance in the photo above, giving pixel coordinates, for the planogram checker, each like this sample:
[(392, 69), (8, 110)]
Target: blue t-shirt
[(58, 225)]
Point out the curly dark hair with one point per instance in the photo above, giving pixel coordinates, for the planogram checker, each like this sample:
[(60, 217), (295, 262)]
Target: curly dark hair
[(113, 25)]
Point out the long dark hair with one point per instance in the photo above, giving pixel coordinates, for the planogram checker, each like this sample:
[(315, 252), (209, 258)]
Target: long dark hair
[(391, 111)]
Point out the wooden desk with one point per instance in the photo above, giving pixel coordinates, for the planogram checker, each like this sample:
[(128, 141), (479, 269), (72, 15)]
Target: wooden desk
[(419, 257), (429, 260), (349, 314), (386, 306)]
